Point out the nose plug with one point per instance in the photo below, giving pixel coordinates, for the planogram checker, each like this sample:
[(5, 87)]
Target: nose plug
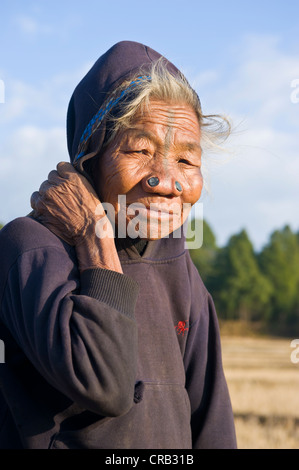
[(178, 187), (154, 181)]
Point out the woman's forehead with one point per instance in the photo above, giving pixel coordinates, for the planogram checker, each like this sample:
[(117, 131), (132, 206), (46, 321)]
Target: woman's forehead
[(165, 119), (166, 112)]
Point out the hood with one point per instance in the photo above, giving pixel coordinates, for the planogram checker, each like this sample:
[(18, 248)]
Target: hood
[(93, 97)]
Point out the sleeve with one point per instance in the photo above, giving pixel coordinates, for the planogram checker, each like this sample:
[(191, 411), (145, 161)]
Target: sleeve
[(80, 334), (212, 421)]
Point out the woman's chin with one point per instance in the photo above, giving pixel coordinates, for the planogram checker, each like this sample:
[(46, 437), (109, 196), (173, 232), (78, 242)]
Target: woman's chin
[(153, 231)]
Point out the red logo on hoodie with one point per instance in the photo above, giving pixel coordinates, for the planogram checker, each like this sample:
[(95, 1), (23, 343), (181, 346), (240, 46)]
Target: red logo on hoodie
[(181, 328)]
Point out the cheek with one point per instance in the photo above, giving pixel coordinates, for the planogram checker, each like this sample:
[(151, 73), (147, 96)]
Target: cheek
[(114, 179), (193, 192)]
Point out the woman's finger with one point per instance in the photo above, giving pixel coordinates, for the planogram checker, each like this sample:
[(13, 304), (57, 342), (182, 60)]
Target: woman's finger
[(44, 187), (66, 170), (36, 203), (54, 178)]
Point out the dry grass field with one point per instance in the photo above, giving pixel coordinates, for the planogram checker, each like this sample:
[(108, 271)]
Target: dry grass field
[(264, 388)]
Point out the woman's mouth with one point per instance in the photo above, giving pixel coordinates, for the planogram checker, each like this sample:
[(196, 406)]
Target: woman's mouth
[(154, 210)]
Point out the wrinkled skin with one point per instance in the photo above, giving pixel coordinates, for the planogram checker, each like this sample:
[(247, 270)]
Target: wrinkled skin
[(68, 205), (66, 191), (163, 142)]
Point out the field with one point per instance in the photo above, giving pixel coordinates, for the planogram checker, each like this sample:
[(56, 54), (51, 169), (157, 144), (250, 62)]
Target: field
[(264, 389)]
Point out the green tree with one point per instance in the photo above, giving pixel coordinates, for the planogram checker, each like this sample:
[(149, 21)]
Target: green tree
[(204, 257), (279, 261), (239, 288)]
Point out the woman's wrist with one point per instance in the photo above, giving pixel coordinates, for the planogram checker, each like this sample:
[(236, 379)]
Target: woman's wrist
[(93, 252)]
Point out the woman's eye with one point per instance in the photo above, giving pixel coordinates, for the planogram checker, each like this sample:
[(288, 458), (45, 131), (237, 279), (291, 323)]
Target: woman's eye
[(139, 152), (191, 163), (184, 161)]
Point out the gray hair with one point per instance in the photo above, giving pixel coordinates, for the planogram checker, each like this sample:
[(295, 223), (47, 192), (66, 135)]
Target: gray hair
[(164, 86), (173, 89)]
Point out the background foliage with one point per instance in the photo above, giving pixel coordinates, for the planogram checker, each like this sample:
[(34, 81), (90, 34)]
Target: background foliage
[(260, 288)]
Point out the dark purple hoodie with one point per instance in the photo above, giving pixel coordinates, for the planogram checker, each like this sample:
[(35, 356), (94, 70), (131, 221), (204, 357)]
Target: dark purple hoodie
[(107, 360)]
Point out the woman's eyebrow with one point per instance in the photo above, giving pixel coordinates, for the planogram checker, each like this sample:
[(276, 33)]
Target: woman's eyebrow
[(188, 146), (191, 146), (140, 134)]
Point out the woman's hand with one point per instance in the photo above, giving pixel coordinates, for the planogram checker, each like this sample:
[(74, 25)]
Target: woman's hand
[(68, 206)]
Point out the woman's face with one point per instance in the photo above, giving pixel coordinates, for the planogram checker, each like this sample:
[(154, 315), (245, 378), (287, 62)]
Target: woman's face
[(163, 143)]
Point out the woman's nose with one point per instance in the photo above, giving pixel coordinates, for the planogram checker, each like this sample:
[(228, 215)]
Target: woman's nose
[(162, 183)]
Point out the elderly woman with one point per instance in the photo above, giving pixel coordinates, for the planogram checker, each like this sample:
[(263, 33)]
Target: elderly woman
[(111, 338)]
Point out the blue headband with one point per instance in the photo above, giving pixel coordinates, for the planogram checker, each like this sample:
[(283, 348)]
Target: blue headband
[(97, 119)]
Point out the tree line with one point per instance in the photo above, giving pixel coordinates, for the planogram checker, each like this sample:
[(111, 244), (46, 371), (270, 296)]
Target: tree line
[(256, 287)]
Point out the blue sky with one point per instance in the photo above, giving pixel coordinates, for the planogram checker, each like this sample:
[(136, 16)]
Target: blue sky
[(241, 57)]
